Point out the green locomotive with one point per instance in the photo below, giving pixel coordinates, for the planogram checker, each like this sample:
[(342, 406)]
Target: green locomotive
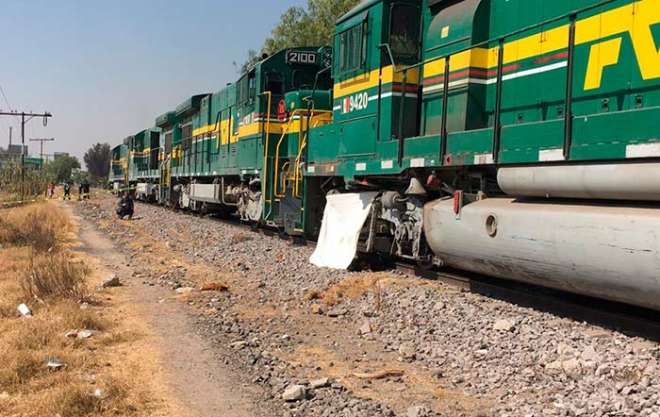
[(515, 138), (118, 173)]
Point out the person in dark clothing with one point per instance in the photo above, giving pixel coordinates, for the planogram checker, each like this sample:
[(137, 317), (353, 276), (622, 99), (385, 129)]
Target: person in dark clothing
[(85, 190), (125, 206), (67, 191)]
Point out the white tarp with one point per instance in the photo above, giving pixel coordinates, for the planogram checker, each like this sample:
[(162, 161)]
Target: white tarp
[(143, 188), (343, 219)]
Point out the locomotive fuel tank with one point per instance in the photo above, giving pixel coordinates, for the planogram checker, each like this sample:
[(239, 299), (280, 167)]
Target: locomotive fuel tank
[(605, 251)]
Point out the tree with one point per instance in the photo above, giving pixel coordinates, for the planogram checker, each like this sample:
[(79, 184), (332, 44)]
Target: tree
[(252, 59), (79, 176), (97, 160), (299, 27), (61, 168)]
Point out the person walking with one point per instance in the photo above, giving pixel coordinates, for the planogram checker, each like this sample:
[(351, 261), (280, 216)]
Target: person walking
[(67, 191), (85, 189)]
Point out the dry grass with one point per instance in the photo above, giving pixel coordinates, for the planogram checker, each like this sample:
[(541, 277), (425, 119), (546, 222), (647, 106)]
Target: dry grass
[(37, 269), (12, 184), (40, 226), (55, 275), (240, 237), (352, 287), (12, 261)]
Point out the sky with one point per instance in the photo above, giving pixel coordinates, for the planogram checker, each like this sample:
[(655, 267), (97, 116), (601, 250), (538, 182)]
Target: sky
[(107, 69)]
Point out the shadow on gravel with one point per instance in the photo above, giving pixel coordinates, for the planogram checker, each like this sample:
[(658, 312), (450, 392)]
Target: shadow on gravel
[(624, 318)]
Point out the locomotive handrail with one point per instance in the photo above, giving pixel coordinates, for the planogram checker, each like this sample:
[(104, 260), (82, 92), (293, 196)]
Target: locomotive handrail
[(264, 182), (222, 194), (283, 176), (388, 49), (298, 166), (217, 129), (285, 130), (303, 144), (568, 102), (277, 160)]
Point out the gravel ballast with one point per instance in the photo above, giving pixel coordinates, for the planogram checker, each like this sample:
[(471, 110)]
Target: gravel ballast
[(488, 357)]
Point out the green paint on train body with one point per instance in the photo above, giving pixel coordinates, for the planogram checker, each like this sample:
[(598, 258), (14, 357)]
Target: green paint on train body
[(228, 128), (119, 165), (387, 121), (144, 155), (379, 111), (234, 134)]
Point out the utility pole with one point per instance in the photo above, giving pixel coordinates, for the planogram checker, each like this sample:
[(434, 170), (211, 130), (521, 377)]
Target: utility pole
[(11, 130), (30, 116), (41, 142)]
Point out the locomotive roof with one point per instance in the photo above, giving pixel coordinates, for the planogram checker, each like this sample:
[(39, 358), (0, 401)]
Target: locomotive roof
[(364, 4), (190, 105)]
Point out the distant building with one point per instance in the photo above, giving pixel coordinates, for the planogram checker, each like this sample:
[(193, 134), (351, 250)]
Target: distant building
[(15, 150), (58, 155), (13, 154)]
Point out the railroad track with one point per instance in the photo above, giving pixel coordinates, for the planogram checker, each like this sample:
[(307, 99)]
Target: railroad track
[(631, 320)]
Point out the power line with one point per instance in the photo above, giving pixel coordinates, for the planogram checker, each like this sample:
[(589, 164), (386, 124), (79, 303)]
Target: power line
[(23, 115), (4, 96), (41, 142)]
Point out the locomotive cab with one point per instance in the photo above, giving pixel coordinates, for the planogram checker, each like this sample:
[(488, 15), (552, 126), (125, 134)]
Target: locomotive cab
[(372, 99)]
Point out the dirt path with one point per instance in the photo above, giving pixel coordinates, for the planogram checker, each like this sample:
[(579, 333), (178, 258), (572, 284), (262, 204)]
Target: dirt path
[(380, 344), (264, 327), (194, 383)]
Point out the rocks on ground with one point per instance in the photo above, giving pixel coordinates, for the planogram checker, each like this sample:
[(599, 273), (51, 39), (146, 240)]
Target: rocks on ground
[(525, 362)]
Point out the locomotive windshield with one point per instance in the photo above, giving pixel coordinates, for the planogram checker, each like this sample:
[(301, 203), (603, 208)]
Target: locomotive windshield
[(274, 83), (353, 48), (303, 80)]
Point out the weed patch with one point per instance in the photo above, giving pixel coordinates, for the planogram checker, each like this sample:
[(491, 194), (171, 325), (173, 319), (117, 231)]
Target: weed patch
[(39, 226), (54, 275)]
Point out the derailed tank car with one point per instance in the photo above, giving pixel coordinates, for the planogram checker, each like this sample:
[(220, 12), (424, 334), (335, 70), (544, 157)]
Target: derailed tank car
[(514, 138)]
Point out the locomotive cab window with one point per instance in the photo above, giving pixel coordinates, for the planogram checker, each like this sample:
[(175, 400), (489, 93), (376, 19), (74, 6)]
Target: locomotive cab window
[(247, 88), (324, 81), (404, 33), (353, 48), (274, 84), (186, 134), (168, 141), (303, 80), (252, 86)]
